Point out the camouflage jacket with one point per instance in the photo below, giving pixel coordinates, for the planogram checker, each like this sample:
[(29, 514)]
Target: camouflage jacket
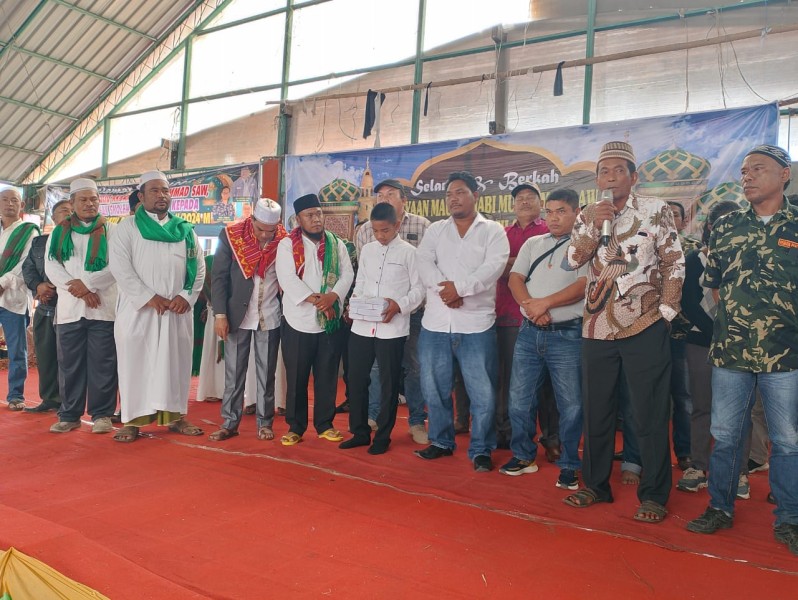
[(755, 268)]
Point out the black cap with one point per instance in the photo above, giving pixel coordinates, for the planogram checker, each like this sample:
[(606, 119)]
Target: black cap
[(133, 200), (305, 202), (525, 186), (780, 155), (394, 183)]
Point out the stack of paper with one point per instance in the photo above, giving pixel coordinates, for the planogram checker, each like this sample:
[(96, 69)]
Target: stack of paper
[(367, 309)]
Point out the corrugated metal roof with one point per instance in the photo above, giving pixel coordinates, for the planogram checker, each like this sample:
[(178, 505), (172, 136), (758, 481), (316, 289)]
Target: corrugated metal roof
[(58, 57)]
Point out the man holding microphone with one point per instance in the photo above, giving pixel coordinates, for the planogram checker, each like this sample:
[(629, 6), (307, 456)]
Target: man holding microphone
[(634, 286)]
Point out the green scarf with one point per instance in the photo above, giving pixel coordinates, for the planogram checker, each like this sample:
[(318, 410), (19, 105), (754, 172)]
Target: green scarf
[(330, 275), (15, 246), (176, 230), (62, 247)]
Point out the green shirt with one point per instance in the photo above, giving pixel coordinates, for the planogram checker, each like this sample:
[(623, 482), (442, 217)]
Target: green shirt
[(755, 268)]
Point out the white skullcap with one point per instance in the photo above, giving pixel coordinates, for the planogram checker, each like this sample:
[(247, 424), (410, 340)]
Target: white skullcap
[(267, 211), (150, 176), (82, 184)]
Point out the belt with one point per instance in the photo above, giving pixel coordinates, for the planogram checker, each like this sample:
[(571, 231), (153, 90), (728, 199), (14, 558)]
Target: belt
[(570, 324)]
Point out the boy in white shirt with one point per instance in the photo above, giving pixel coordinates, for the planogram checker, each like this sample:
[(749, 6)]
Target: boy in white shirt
[(387, 271)]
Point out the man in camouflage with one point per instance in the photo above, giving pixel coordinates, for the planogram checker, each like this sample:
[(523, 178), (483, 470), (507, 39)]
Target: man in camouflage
[(753, 269)]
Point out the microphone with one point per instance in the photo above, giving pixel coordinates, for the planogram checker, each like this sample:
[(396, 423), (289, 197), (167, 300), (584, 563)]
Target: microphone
[(606, 226)]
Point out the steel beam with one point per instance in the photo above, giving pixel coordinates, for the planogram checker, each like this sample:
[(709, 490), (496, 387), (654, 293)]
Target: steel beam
[(46, 111), (103, 19), (18, 149)]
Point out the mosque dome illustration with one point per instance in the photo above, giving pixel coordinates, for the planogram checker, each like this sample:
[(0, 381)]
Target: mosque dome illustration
[(675, 175), (730, 190), (339, 203), (339, 190)]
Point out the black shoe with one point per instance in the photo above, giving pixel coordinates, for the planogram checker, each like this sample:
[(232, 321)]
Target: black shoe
[(483, 463), (771, 498), (787, 533), (432, 452), (755, 467), (354, 443), (342, 408), (45, 406), (617, 456), (376, 448), (712, 520), (116, 417)]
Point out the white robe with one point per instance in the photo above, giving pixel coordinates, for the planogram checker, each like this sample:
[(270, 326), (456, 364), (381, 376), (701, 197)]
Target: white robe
[(153, 352)]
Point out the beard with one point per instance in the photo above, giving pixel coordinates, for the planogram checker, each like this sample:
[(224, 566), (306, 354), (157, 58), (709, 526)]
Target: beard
[(316, 237)]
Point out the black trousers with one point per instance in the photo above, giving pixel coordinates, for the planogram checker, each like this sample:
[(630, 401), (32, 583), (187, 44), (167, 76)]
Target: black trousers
[(304, 353), (87, 365), (46, 354), (362, 352), (646, 360)]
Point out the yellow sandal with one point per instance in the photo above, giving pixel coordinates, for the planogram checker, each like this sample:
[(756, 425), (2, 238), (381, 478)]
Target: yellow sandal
[(290, 439), (331, 435)]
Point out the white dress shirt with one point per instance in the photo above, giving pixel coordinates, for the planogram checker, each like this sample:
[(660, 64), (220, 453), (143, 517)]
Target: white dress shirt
[(271, 304), (299, 314), (16, 296), (474, 262), (71, 309), (388, 272)]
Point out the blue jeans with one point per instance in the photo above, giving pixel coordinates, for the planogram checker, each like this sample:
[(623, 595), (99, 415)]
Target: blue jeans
[(733, 398), (681, 399), (417, 410), (561, 353), (17, 344), (477, 355)]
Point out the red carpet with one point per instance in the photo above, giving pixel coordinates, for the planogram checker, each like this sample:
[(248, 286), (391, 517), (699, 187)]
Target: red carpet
[(177, 517)]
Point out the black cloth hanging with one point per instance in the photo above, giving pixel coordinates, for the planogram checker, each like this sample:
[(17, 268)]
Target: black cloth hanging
[(558, 80), (371, 112), (426, 99)]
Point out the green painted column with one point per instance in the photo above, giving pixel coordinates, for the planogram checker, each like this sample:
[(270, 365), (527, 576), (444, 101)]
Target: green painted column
[(591, 38), (418, 75)]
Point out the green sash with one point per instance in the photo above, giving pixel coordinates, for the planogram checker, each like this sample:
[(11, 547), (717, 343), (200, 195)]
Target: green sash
[(62, 248), (175, 230), (15, 246)]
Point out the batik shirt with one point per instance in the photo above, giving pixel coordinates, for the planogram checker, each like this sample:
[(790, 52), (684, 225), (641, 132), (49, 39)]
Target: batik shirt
[(754, 266), (637, 278)]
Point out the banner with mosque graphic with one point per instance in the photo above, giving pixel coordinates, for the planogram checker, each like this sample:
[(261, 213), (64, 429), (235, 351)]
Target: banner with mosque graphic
[(208, 199), (693, 159)]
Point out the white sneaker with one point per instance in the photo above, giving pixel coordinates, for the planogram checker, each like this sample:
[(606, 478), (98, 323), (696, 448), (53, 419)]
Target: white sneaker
[(402, 399), (419, 434), (743, 487)]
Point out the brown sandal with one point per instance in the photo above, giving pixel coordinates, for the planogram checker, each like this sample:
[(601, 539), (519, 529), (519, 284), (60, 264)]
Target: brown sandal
[(583, 498), (222, 435), (127, 434), (650, 512), (185, 428)]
